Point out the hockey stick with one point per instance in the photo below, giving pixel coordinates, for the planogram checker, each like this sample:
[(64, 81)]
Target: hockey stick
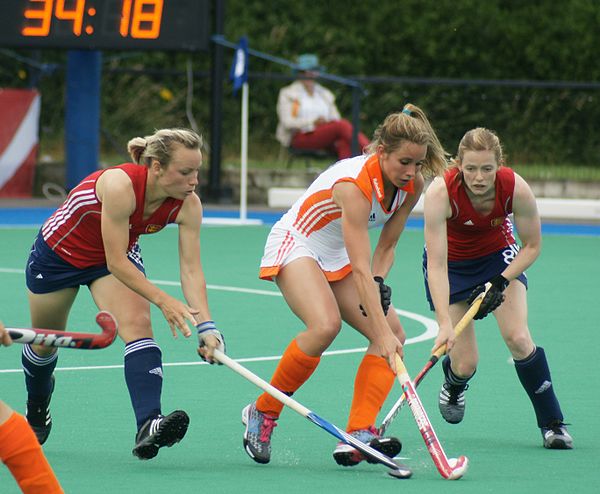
[(451, 469), (69, 339), (439, 353), (397, 470)]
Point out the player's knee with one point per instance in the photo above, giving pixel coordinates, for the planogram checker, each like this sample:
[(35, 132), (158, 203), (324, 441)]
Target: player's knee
[(135, 327), (329, 327), (519, 344)]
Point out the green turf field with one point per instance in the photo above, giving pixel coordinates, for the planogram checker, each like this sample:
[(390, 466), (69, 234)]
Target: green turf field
[(93, 432)]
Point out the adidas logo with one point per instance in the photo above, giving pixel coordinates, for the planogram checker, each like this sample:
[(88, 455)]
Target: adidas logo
[(469, 223), (39, 276), (545, 385), (157, 371)]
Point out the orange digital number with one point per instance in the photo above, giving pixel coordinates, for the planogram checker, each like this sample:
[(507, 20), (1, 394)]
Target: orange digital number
[(74, 14), (125, 17), (145, 23), (43, 16)]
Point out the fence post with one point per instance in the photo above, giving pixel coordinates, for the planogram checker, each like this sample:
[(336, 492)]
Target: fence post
[(356, 93)]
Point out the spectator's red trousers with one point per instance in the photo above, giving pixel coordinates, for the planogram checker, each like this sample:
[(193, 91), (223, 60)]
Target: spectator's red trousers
[(334, 136)]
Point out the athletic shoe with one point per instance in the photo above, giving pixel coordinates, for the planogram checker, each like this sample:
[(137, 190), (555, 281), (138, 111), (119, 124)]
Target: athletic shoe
[(348, 456), (556, 436), (257, 436), (159, 432), (38, 415), (452, 402)]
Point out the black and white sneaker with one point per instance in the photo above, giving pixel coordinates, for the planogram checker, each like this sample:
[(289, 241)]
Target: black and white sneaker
[(452, 402), (556, 436), (159, 432), (347, 456), (38, 415)]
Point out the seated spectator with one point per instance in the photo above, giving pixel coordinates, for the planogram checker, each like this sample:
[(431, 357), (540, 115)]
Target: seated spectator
[(308, 116)]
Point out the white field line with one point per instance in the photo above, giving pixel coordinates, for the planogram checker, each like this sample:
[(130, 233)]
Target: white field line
[(429, 333)]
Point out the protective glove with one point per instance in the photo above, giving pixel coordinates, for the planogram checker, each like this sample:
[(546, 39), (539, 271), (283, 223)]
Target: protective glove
[(385, 293), (208, 328), (493, 298)]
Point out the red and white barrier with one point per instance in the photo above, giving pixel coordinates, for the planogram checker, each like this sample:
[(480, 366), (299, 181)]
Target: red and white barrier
[(19, 129)]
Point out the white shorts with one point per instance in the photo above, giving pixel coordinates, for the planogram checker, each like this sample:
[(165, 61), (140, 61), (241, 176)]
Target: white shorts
[(284, 246)]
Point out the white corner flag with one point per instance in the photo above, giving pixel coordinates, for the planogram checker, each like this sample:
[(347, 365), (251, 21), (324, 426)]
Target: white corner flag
[(239, 77)]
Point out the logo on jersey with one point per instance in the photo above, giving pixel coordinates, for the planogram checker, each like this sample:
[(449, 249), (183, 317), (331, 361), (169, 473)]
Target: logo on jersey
[(153, 228), (377, 188), (469, 223), (497, 221)]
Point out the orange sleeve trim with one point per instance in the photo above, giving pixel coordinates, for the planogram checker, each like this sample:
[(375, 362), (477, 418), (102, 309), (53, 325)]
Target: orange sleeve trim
[(363, 185)]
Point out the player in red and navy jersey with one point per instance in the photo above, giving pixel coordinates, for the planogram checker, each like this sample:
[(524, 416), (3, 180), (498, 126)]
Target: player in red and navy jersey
[(469, 242), (91, 240)]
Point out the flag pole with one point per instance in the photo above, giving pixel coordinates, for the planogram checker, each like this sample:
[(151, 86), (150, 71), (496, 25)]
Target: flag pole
[(244, 155)]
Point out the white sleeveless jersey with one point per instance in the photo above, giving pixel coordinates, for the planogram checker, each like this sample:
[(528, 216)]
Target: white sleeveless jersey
[(313, 225)]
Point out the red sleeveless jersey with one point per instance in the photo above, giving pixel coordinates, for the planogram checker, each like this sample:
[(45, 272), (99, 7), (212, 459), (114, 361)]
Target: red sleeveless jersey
[(471, 235), (73, 231)]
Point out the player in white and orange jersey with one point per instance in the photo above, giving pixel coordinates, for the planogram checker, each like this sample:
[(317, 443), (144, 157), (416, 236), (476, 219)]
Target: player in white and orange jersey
[(92, 240), (470, 242), (319, 254)]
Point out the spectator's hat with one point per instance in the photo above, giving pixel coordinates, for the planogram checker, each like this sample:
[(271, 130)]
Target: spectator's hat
[(308, 62)]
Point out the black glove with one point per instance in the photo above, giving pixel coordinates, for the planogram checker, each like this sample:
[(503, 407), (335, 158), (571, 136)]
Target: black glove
[(493, 298), (385, 293)]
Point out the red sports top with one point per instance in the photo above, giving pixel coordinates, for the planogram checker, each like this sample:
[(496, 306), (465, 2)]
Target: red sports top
[(73, 231), (471, 235)]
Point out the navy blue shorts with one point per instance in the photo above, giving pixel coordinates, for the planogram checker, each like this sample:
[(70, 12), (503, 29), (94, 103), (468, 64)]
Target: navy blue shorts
[(47, 272), (464, 276)]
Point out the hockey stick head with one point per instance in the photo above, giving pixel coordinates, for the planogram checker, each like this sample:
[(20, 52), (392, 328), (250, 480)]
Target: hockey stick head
[(459, 467), (109, 326), (69, 339)]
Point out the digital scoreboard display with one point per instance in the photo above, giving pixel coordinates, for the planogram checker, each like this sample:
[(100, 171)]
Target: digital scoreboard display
[(105, 24)]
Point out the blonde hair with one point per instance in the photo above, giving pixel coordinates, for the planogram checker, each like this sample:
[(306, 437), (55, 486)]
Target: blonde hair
[(159, 146), (411, 125), (479, 139)]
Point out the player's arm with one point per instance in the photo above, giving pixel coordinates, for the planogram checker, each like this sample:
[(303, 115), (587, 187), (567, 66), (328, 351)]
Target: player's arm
[(115, 190), (355, 216), (384, 253), (436, 212), (193, 282), (528, 226)]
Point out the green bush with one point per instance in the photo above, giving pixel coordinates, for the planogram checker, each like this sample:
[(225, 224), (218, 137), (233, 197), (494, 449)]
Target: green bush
[(415, 41)]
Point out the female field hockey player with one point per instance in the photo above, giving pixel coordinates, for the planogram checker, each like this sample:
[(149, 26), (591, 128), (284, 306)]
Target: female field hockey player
[(319, 254), (20, 450), (92, 239), (469, 242)]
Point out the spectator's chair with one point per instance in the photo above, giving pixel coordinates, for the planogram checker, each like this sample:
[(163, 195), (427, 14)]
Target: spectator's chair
[(307, 155)]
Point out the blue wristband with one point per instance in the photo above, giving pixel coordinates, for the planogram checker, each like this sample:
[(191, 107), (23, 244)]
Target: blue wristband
[(206, 326)]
